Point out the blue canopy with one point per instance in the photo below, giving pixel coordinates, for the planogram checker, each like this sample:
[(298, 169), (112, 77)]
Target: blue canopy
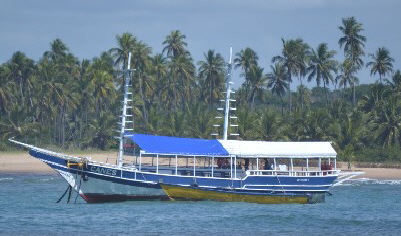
[(179, 146)]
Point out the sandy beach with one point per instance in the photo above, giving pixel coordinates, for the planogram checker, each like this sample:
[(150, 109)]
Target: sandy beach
[(22, 162)]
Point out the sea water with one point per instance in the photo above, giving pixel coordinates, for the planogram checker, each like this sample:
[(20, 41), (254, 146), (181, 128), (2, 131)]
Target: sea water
[(28, 207)]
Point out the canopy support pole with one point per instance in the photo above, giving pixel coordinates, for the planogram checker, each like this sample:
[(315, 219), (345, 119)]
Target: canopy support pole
[(140, 160), (335, 163), (257, 163), (212, 166), (194, 165), (157, 163), (320, 164), (235, 166), (292, 166), (307, 166), (231, 166), (275, 164), (176, 165)]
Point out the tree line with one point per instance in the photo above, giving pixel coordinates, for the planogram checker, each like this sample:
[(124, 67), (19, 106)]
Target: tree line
[(61, 101)]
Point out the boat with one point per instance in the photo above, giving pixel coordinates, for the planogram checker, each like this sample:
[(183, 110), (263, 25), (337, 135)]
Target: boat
[(174, 168)]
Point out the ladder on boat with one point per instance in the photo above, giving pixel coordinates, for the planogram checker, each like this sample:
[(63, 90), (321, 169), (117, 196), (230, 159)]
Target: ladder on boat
[(127, 116), (229, 121)]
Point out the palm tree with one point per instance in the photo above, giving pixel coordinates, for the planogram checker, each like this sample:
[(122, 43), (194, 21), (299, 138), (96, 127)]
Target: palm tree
[(102, 131), (353, 44), (175, 45), (321, 66), (140, 61), (5, 94), (181, 75), (396, 81), (126, 43), (159, 66), (387, 122), (18, 124), (375, 99), (271, 126), (104, 62), (248, 121), (382, 63), (246, 59), (303, 95), (199, 120), (211, 72), (159, 70), (277, 82), (81, 85), (314, 126), (346, 76), (257, 83), (349, 135), (175, 124), (303, 60), (20, 70), (104, 93), (58, 50), (290, 60), (352, 41)]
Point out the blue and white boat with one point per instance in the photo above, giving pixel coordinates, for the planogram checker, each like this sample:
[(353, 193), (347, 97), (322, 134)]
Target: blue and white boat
[(171, 168), (273, 172)]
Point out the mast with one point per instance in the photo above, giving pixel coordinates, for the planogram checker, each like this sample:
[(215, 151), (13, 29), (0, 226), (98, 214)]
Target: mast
[(228, 120), (127, 78), (228, 93)]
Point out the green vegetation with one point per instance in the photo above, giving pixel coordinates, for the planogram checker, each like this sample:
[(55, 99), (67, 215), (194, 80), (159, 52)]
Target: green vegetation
[(72, 104)]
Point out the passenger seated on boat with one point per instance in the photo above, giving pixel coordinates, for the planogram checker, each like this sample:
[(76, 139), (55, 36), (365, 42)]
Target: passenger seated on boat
[(246, 164), (325, 167), (220, 163), (226, 164), (239, 165), (267, 165)]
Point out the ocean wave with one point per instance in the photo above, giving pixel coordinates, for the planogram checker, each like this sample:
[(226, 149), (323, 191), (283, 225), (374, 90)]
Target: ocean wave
[(47, 179), (6, 179), (361, 181)]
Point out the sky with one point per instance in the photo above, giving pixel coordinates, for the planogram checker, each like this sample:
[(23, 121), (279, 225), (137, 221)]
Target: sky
[(89, 27)]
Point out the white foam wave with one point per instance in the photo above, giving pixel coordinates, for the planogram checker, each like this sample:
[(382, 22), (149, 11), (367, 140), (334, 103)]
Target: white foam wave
[(361, 181), (6, 179), (47, 179)]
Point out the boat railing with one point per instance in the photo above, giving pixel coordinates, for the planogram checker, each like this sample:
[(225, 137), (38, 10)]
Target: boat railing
[(291, 173)]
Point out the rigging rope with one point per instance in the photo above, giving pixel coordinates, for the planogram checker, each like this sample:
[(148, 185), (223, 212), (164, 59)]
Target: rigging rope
[(80, 183), (280, 184), (68, 188)]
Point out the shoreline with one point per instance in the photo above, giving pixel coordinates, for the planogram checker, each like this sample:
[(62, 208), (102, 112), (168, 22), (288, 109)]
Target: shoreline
[(23, 163)]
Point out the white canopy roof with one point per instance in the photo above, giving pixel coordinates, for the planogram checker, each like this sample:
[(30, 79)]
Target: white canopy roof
[(278, 149)]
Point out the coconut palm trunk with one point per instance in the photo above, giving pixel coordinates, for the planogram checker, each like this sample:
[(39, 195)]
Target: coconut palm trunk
[(145, 117), (289, 89)]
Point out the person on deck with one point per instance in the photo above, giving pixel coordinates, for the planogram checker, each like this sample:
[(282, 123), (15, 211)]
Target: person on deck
[(220, 163), (246, 164), (267, 165)]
